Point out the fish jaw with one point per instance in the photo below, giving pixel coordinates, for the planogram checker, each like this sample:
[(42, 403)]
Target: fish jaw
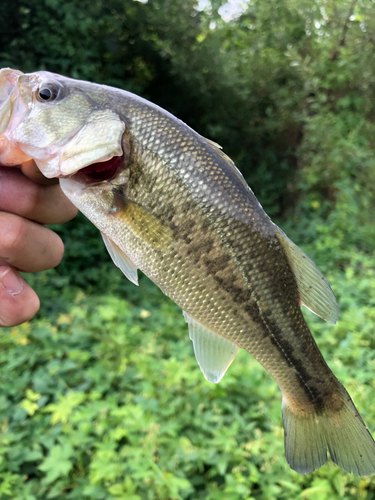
[(57, 135)]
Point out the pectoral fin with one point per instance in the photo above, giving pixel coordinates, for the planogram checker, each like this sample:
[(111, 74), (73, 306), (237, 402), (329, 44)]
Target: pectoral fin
[(214, 354), (314, 290), (121, 260)]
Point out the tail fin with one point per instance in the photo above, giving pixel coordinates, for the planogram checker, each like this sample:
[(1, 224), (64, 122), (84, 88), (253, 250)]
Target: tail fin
[(343, 433)]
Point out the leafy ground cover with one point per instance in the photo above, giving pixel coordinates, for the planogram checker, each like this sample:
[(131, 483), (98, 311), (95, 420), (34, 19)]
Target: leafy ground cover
[(103, 399)]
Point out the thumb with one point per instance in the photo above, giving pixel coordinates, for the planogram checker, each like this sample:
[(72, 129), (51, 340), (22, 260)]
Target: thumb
[(18, 301), (30, 169)]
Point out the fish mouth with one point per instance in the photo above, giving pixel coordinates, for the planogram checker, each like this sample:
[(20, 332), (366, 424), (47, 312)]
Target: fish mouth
[(99, 172)]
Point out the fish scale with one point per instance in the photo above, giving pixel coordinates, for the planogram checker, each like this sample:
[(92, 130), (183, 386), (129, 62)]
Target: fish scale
[(178, 209), (254, 266)]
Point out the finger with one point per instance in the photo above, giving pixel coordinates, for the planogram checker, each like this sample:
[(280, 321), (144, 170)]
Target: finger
[(44, 204), (30, 169), (18, 302), (28, 246)]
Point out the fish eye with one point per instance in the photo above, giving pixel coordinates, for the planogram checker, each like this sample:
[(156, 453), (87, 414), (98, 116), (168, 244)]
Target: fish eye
[(47, 93)]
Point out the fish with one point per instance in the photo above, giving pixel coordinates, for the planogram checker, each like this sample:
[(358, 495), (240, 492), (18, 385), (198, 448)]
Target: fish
[(172, 204)]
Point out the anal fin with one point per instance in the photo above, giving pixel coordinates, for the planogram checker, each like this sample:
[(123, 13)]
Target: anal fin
[(121, 260), (214, 354)]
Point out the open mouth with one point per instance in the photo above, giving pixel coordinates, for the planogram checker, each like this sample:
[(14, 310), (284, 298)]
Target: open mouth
[(101, 171)]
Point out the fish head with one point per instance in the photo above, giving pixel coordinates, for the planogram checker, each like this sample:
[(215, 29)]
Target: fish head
[(62, 124)]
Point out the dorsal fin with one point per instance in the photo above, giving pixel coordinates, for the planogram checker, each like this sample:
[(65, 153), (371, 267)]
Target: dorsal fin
[(212, 143), (121, 260), (214, 354), (314, 290), (219, 150)]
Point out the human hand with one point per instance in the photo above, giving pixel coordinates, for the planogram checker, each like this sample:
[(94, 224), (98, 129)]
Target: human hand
[(27, 200)]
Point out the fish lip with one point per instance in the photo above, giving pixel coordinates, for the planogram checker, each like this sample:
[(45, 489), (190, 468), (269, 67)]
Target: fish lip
[(8, 82), (79, 171), (13, 109), (8, 94)]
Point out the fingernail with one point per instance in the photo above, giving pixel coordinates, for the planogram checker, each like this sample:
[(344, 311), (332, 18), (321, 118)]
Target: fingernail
[(10, 280)]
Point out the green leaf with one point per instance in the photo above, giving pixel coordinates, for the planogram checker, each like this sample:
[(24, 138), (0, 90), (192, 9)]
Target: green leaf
[(57, 463)]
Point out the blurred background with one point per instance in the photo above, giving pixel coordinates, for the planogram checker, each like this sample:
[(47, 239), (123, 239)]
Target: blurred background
[(101, 397)]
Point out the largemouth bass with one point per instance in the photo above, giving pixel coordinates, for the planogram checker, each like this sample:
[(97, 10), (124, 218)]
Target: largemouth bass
[(170, 203)]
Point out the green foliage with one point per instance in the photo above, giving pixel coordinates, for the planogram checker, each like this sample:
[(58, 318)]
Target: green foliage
[(101, 396), (106, 401), (256, 84)]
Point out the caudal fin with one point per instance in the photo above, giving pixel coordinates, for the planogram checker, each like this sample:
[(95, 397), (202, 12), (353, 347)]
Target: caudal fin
[(343, 433)]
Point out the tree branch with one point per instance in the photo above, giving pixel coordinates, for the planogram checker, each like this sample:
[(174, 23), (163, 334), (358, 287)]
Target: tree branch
[(345, 28)]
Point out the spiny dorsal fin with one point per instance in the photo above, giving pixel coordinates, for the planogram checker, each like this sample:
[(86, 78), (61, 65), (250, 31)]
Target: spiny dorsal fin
[(212, 143), (219, 150), (314, 290), (214, 354), (121, 260), (234, 170)]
